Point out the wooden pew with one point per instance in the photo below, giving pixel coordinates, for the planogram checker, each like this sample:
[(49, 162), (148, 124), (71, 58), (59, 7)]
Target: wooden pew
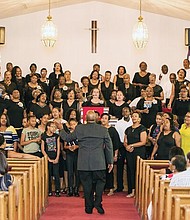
[(178, 201), (33, 185), (38, 180), (169, 193), (163, 197), (185, 212), (138, 180), (8, 204), (3, 205), (38, 184), (148, 190), (46, 179), (20, 199), (148, 181), (140, 177), (147, 170), (153, 193), (27, 191), (163, 184), (155, 196), (42, 172)]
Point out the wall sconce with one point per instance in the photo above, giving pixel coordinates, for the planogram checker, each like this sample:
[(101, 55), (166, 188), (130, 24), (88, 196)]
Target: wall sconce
[(2, 35), (187, 36)]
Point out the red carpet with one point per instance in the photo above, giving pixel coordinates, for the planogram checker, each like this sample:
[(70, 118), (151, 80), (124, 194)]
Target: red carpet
[(70, 208)]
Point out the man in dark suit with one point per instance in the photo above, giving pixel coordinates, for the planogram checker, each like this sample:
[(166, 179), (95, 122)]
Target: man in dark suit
[(95, 151)]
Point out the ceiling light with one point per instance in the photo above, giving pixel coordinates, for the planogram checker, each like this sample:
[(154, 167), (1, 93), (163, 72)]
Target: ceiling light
[(140, 33), (49, 31)]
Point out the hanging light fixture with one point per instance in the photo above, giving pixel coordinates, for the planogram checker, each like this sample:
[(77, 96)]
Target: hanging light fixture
[(140, 33), (49, 31)]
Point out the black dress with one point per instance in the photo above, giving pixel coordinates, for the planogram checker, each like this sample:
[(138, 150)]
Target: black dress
[(71, 162), (119, 80), (20, 84), (28, 76), (39, 111), (180, 108), (45, 87), (106, 91), (85, 94), (91, 104), (133, 136), (15, 112), (129, 93), (116, 110), (50, 147), (62, 90), (71, 86), (139, 79), (165, 143), (53, 79), (66, 107), (109, 104), (177, 87), (2, 105), (92, 86), (28, 94), (157, 90), (116, 144), (56, 104), (9, 88), (153, 106)]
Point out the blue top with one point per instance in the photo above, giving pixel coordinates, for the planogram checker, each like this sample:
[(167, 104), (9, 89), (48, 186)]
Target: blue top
[(5, 181)]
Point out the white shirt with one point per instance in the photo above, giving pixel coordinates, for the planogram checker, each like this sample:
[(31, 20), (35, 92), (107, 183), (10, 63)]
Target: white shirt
[(62, 121), (166, 86), (181, 179), (134, 102), (121, 126), (187, 74)]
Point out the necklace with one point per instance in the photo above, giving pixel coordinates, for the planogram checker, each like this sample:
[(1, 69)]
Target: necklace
[(133, 128)]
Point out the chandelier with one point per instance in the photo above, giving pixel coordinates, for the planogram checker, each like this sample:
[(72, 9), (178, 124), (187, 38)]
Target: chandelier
[(49, 31), (140, 33)]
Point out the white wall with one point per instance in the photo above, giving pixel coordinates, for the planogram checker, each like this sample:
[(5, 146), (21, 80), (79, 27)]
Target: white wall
[(73, 47)]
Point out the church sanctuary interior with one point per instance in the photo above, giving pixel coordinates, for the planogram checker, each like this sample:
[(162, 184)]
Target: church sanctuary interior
[(128, 62)]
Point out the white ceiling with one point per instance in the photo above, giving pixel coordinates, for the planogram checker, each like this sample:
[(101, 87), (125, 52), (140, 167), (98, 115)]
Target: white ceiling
[(174, 8)]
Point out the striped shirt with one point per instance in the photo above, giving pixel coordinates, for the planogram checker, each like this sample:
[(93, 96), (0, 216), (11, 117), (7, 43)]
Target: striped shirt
[(10, 136)]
